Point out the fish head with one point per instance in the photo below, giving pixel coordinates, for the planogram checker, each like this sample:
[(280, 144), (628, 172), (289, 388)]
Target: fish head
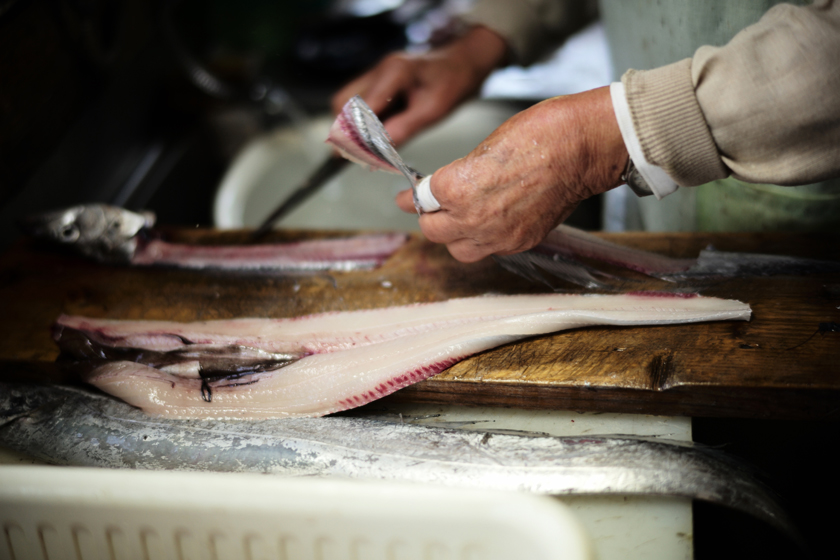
[(105, 233)]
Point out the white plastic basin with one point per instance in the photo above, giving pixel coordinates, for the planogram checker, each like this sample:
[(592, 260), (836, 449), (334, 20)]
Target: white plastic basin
[(270, 167)]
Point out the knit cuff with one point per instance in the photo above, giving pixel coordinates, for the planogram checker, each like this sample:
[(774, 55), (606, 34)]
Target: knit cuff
[(670, 124)]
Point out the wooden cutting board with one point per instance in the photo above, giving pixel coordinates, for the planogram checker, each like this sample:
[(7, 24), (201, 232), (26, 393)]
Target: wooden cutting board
[(778, 365)]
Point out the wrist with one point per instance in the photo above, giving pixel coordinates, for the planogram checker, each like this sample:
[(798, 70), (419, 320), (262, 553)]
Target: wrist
[(605, 147), (484, 49)]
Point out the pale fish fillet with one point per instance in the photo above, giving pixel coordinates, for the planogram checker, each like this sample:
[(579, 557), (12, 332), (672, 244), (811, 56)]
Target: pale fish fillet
[(359, 359), (351, 253)]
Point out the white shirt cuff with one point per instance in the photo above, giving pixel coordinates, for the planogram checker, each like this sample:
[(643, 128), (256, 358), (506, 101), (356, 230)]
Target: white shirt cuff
[(659, 182)]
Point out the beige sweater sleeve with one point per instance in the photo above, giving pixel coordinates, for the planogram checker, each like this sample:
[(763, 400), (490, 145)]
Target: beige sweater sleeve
[(765, 108), (531, 27)]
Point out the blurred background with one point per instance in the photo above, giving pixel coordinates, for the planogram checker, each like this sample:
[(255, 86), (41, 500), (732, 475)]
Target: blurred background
[(151, 105), (143, 104)]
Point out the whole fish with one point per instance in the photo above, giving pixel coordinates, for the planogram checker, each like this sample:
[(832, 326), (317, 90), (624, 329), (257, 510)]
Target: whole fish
[(73, 426), (320, 364), (115, 235)]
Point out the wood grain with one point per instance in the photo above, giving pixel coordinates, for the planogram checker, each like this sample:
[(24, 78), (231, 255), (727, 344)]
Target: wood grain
[(778, 365)]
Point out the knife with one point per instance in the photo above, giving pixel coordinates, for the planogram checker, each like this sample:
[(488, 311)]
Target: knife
[(324, 173), (321, 175)]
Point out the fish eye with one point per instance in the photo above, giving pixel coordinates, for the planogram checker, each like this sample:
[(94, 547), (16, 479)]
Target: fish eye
[(69, 233)]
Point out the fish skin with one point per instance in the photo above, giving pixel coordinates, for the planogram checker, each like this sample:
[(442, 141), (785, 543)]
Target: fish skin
[(573, 242), (359, 136), (341, 364), (531, 265), (712, 264), (75, 426), (344, 138)]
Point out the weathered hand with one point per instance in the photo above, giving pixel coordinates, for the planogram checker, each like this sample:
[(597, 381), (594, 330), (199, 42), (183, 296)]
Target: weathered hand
[(526, 177), (431, 84)]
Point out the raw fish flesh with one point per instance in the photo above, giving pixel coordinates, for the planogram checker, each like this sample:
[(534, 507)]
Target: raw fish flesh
[(350, 253), (320, 364)]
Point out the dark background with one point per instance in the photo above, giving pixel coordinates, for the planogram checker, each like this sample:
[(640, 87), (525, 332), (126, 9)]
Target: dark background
[(142, 104)]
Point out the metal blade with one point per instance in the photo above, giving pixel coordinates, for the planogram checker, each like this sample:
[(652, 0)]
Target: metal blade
[(321, 175)]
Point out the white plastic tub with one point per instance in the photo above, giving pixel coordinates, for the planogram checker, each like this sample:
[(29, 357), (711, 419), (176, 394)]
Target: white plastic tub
[(86, 514), (270, 167)]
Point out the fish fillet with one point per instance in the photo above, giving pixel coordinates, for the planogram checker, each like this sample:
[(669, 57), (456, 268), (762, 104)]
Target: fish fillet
[(351, 253), (341, 360)]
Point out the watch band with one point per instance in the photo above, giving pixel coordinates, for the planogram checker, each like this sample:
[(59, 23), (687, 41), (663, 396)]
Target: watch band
[(634, 180)]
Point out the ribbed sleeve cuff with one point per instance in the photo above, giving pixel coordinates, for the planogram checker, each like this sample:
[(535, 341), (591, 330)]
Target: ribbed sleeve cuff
[(670, 124)]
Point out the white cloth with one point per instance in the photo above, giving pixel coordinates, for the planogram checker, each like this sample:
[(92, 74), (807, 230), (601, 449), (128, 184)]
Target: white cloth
[(659, 182), (425, 199)]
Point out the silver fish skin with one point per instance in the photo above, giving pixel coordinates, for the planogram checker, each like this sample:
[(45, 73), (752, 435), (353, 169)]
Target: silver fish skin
[(360, 136), (73, 426), (723, 264), (98, 231)]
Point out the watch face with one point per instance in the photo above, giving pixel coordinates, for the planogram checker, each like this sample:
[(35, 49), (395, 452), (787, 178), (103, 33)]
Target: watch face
[(636, 182)]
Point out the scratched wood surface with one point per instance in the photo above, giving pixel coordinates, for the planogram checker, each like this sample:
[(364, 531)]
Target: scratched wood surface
[(778, 365)]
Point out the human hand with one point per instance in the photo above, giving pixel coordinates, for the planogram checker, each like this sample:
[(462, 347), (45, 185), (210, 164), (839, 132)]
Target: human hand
[(526, 177), (430, 84)]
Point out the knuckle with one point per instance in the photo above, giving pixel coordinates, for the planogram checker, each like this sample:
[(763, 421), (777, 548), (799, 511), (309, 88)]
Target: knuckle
[(396, 61), (463, 254)]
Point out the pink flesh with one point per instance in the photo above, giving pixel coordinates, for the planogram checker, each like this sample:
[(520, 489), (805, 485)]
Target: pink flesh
[(346, 139), (361, 358), (576, 243), (364, 251)]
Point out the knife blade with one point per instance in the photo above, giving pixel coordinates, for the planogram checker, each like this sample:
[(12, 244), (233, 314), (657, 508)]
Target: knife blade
[(321, 175)]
